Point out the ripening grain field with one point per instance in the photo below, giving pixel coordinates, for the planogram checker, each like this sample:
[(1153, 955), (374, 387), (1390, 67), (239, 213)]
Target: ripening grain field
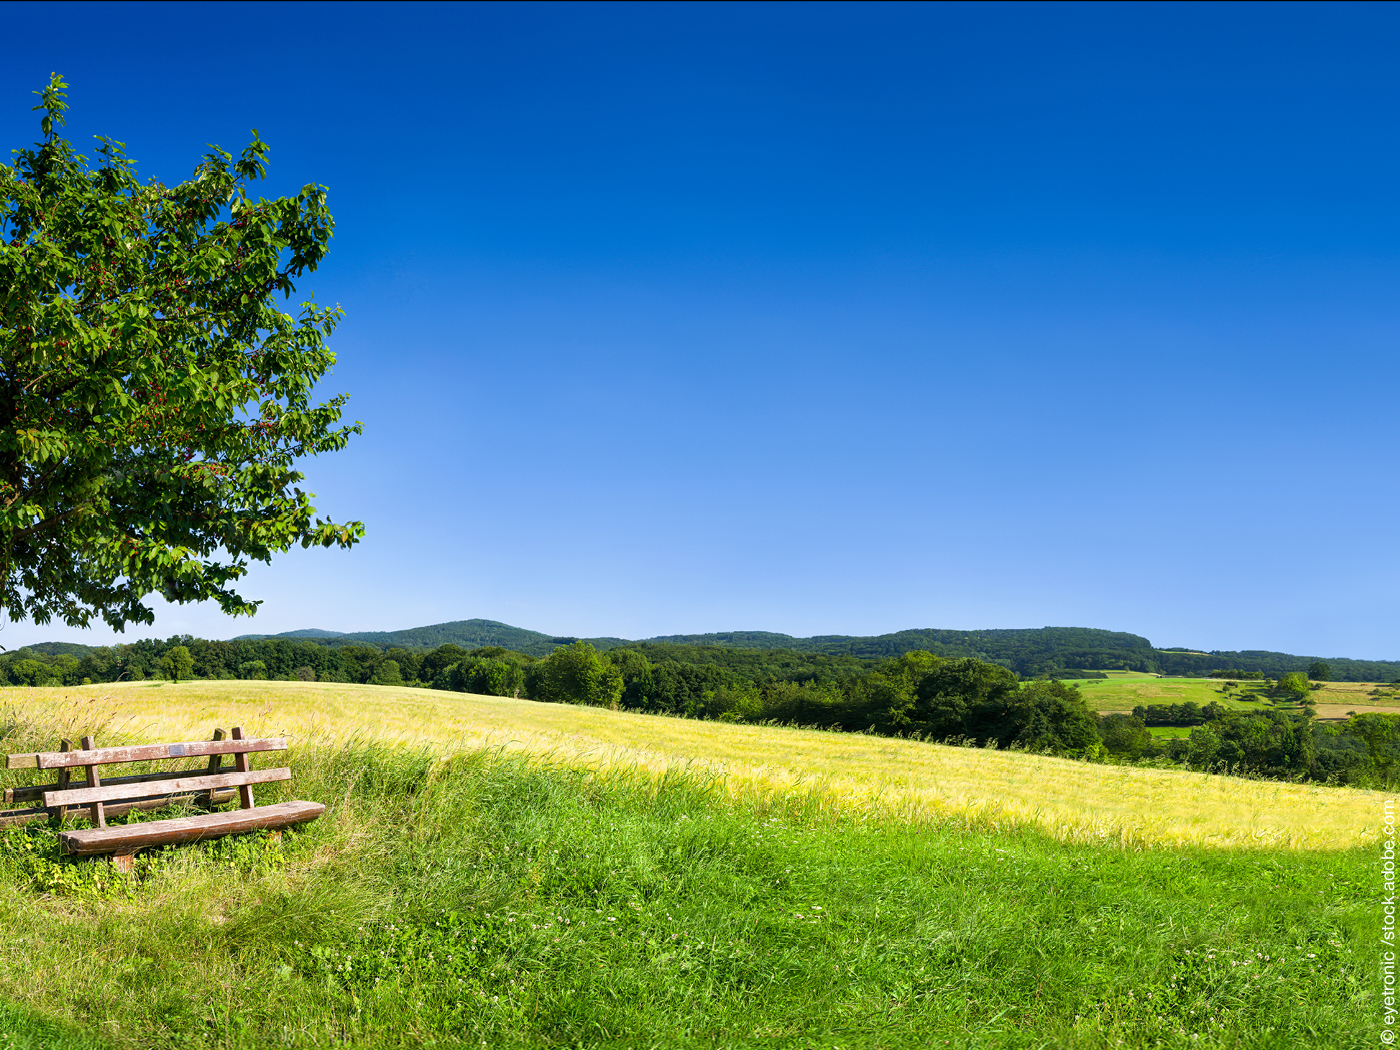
[(494, 872), (850, 773)]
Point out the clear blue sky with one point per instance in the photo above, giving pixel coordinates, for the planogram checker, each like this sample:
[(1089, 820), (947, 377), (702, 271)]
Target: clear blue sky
[(816, 318)]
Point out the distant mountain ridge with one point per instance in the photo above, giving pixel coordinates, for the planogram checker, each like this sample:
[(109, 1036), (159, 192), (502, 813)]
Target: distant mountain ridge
[(470, 634), (1028, 651)]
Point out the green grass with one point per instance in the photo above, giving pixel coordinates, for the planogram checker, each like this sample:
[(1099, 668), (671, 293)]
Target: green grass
[(22, 1030), (489, 901), (1124, 690)]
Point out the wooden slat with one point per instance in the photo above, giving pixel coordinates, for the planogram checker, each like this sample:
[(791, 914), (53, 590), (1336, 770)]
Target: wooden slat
[(240, 763), (13, 817), (105, 756), (35, 793), (94, 782), (22, 761), (65, 776), (84, 796), (214, 763), (127, 837)]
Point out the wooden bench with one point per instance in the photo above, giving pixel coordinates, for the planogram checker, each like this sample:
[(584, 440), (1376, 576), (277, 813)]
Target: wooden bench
[(206, 786)]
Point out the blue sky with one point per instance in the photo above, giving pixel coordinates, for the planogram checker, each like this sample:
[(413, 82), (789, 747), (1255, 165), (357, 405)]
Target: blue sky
[(815, 318)]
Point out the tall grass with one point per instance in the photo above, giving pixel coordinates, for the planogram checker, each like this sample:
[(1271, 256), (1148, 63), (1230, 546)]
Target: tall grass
[(486, 898), (896, 780)]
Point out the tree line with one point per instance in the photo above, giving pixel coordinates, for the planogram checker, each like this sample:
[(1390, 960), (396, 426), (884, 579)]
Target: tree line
[(917, 694), (1364, 751)]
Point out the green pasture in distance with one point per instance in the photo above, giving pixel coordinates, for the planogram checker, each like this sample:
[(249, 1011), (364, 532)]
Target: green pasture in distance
[(1183, 731), (1125, 690), (1170, 731)]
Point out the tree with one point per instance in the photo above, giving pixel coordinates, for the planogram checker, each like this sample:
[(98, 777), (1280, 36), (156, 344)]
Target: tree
[(441, 658), (249, 669), (1125, 735), (153, 397), (1293, 683), (489, 677), (576, 674), (637, 682), (178, 664), (1320, 671), (952, 694), (387, 673), (1040, 716)]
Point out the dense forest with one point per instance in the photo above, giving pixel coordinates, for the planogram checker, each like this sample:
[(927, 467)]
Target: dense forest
[(1066, 652), (917, 693)]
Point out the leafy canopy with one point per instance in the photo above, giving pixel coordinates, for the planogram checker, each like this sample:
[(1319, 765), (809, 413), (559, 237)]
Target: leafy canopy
[(154, 399)]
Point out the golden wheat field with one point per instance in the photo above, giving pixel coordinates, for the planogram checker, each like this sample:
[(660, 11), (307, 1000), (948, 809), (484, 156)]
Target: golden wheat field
[(842, 774)]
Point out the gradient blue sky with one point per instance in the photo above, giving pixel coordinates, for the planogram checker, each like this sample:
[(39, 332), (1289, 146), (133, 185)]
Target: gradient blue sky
[(815, 318)]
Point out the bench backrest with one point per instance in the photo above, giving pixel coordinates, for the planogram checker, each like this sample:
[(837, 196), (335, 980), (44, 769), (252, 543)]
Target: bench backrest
[(146, 790)]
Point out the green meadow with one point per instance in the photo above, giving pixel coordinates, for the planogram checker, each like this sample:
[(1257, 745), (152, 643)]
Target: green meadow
[(494, 898), (1124, 690), (1182, 732)]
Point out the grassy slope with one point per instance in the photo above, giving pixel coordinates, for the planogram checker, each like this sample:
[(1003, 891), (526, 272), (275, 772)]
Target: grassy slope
[(900, 779), (1124, 690), (597, 900)]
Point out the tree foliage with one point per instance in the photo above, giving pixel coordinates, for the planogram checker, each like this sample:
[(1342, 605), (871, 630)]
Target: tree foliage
[(917, 694), (177, 663), (577, 674), (154, 394)]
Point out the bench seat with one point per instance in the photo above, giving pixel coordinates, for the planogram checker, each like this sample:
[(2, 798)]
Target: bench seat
[(204, 787), (127, 838)]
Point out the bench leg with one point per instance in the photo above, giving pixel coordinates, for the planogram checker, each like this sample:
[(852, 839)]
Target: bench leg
[(274, 838), (122, 861)]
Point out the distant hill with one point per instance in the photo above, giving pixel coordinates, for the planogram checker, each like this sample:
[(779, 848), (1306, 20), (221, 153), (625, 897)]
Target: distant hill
[(52, 649), (1028, 651), (1036, 649), (469, 634), (1041, 650), (306, 632)]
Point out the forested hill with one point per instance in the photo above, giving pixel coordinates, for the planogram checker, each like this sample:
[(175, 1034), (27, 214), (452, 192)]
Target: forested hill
[(1028, 651), (1040, 650), (469, 634)]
